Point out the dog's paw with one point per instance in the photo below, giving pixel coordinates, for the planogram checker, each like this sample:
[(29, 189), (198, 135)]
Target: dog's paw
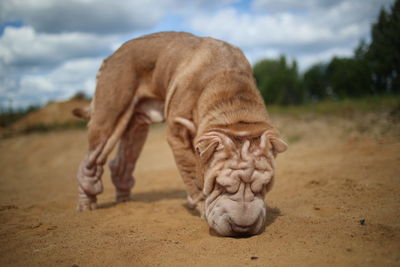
[(200, 208), (122, 196), (86, 205), (85, 201)]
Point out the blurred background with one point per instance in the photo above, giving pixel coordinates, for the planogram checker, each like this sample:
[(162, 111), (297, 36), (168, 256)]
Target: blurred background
[(301, 51), (328, 71)]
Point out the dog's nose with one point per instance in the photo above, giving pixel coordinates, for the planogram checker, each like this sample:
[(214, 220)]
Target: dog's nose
[(242, 230)]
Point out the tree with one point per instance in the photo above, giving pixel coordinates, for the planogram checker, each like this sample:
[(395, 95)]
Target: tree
[(349, 77), (315, 81), (384, 54), (278, 82), (374, 69)]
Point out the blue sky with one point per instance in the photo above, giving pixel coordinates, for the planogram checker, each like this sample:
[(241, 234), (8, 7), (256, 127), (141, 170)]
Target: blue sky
[(50, 49)]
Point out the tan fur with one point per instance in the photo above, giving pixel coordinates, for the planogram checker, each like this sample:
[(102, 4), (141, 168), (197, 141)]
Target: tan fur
[(202, 87)]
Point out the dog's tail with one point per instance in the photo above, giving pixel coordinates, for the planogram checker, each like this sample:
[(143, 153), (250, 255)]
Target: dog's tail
[(83, 113)]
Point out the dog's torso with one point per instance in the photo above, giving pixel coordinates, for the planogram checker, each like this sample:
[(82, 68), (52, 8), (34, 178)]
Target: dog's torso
[(177, 73)]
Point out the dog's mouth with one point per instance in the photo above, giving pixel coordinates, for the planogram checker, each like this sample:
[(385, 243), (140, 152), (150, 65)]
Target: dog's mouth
[(241, 229), (231, 218)]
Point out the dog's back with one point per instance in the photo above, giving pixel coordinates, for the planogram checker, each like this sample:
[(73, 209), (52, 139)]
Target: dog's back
[(204, 79)]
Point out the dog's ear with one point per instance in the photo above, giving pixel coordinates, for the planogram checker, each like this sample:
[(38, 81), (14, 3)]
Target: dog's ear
[(83, 113), (185, 131), (270, 140), (206, 147), (207, 144), (278, 145)]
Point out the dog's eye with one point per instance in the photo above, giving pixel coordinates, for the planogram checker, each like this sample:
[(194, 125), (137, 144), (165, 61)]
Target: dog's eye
[(260, 179), (231, 185), (262, 164), (218, 157)]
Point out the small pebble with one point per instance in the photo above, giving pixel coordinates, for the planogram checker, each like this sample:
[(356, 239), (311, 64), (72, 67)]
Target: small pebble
[(36, 225), (253, 257), (53, 227), (362, 222)]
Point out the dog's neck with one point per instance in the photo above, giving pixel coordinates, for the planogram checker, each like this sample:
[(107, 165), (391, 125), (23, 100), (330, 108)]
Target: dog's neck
[(233, 104), (242, 130)]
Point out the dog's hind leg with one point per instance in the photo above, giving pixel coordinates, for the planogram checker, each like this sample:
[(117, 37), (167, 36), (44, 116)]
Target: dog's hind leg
[(132, 141), (124, 163), (113, 107)]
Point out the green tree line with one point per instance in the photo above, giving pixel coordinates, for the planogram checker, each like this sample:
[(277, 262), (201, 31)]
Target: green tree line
[(374, 69)]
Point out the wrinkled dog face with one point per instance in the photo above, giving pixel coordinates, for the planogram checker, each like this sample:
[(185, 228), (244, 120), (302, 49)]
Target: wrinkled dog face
[(237, 175)]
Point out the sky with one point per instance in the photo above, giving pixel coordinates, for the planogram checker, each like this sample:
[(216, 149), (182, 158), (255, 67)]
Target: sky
[(51, 49)]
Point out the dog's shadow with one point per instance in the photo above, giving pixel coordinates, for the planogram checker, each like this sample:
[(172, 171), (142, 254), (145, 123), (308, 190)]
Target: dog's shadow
[(272, 214), (149, 197), (154, 196)]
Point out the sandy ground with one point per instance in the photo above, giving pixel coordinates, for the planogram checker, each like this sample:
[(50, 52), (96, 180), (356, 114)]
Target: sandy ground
[(335, 175)]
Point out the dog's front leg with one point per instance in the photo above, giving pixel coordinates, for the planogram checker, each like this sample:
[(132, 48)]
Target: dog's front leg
[(180, 133)]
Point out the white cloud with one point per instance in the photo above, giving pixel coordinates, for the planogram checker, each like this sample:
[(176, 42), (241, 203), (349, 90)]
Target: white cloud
[(60, 83), (284, 29), (308, 59), (254, 55), (25, 48), (309, 30), (311, 5), (37, 84), (67, 79), (36, 67), (304, 60), (333, 14), (98, 16), (282, 5)]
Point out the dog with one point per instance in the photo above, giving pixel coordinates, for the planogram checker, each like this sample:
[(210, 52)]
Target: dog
[(217, 126)]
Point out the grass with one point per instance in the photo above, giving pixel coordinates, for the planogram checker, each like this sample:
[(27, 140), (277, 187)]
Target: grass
[(340, 107), (293, 138), (51, 127), (10, 116), (343, 108), (44, 128)]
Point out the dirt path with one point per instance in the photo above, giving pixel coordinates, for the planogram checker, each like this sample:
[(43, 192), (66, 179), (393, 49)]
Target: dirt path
[(326, 184)]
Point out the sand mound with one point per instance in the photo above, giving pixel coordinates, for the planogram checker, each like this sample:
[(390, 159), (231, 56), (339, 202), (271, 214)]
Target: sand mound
[(335, 203), (54, 113)]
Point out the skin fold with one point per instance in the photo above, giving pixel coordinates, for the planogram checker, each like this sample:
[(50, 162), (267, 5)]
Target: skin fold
[(217, 126)]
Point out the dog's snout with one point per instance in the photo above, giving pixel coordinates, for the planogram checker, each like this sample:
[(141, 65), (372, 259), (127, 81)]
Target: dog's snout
[(244, 229), (241, 229)]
